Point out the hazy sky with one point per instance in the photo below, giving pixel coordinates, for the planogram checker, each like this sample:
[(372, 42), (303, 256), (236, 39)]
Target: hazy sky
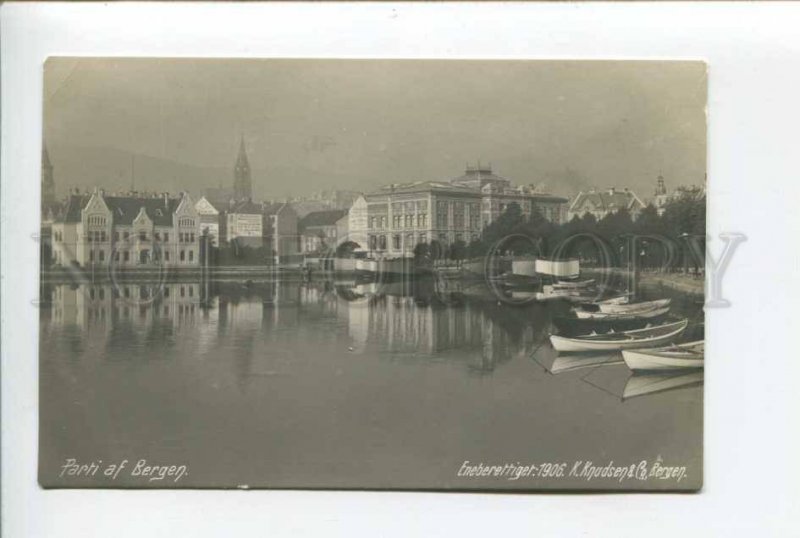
[(311, 124)]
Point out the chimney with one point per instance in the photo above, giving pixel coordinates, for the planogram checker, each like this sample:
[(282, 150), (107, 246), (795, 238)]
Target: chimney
[(166, 200), (612, 190)]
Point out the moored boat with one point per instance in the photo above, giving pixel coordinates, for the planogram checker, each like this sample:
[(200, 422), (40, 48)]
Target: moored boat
[(689, 355), (655, 336), (612, 308), (619, 299), (652, 312)]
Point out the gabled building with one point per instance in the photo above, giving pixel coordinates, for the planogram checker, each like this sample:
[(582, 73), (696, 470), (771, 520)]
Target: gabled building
[(209, 216), (127, 231), (602, 203), (319, 230)]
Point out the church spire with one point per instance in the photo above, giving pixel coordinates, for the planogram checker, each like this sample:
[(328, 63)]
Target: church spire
[(48, 184), (242, 185)]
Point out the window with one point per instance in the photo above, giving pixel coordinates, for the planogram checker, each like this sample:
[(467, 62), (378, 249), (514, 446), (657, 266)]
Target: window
[(116, 255), (116, 236), (89, 236), (157, 236), (396, 222), (191, 255), (382, 242), (183, 255), (103, 236), (396, 241), (142, 236), (126, 235), (191, 238), (102, 255), (166, 291), (183, 291), (91, 255), (180, 237), (166, 237), (127, 291), (373, 243), (409, 221), (126, 256), (191, 291), (166, 255)]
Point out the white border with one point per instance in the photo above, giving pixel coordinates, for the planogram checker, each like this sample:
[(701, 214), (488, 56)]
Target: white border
[(752, 471)]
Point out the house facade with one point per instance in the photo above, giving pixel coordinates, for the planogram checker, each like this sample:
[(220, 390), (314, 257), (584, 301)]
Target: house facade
[(128, 231), (602, 203), (209, 217), (320, 230)]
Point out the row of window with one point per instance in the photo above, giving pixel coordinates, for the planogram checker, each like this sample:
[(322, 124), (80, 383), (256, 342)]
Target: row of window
[(379, 242), (99, 236)]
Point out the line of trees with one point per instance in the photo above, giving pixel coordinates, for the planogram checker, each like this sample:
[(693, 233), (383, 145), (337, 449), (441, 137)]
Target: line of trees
[(683, 219)]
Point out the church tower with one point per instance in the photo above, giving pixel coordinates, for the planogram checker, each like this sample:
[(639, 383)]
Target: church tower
[(48, 185), (242, 185)]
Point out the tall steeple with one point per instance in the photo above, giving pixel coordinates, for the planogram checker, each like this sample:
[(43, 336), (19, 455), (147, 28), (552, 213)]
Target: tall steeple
[(48, 185), (661, 189), (242, 185)]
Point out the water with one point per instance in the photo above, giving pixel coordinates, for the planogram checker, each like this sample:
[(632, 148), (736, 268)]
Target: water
[(325, 384)]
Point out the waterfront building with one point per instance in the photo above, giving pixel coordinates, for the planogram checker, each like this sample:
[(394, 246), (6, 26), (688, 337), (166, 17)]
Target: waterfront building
[(319, 230), (394, 219), (244, 221), (128, 231), (602, 203), (209, 216), (280, 231)]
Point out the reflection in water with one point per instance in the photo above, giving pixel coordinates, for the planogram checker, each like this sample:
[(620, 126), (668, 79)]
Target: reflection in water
[(331, 384), (398, 319), (642, 384)]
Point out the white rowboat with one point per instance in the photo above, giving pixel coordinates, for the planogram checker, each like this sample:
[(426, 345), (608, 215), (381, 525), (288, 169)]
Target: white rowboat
[(637, 314), (689, 355), (635, 339), (633, 307)]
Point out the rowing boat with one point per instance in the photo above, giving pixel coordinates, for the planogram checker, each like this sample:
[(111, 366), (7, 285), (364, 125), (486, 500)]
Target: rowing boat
[(633, 307), (620, 299), (638, 338), (652, 312), (689, 355)]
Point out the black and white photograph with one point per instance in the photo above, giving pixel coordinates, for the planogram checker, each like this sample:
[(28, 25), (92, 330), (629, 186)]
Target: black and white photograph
[(470, 275)]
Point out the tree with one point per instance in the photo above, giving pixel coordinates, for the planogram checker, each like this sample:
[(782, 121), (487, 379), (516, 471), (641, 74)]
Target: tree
[(458, 250)]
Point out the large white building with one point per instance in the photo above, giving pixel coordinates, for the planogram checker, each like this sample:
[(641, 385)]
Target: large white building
[(129, 231), (390, 222)]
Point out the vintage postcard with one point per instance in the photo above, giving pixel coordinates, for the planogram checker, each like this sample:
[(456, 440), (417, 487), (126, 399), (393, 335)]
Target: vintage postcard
[(372, 274)]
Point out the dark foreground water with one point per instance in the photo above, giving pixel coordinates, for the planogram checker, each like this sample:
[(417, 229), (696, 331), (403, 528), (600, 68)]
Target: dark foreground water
[(341, 385)]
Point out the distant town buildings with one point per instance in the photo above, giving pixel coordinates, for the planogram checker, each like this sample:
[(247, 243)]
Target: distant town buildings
[(602, 203), (390, 222), (131, 231)]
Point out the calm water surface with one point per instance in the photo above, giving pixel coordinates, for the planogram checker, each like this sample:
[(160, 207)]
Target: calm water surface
[(323, 384)]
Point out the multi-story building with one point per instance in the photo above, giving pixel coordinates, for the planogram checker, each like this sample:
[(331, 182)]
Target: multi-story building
[(319, 230), (244, 221), (209, 216), (602, 203), (128, 231), (394, 219)]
